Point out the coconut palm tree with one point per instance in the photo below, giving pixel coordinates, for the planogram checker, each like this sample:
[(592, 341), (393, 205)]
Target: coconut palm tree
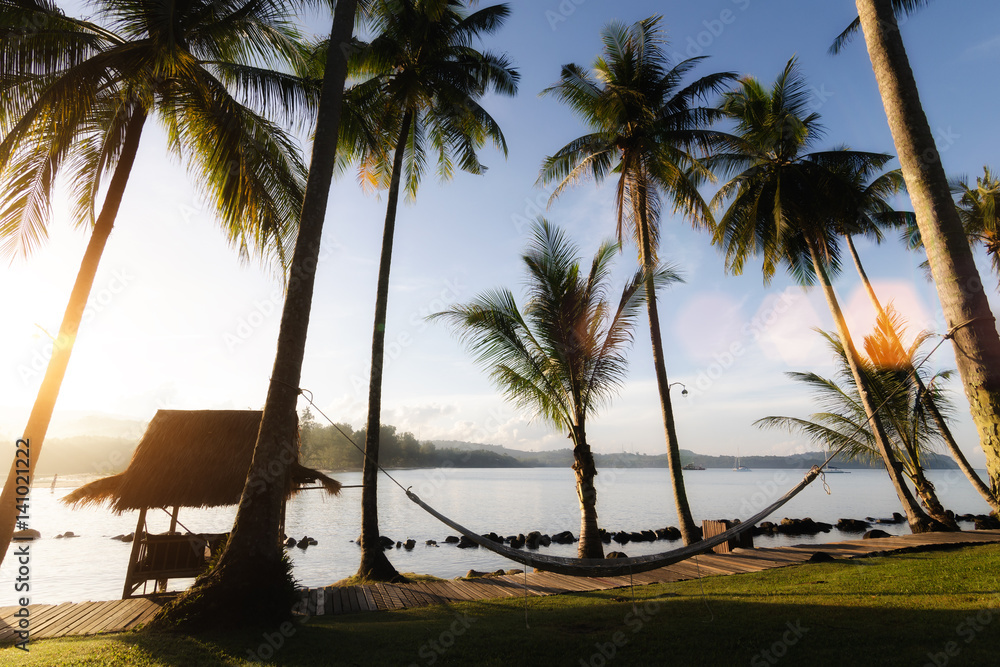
[(250, 584), (563, 356), (963, 300), (790, 206), (844, 423), (76, 96), (926, 397), (421, 83), (977, 208), (646, 126)]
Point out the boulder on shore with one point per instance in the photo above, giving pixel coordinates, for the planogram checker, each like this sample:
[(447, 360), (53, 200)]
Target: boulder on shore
[(564, 537), (852, 525), (875, 534), (466, 543), (616, 554)]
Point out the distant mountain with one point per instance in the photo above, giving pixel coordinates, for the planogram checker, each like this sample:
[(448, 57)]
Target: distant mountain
[(564, 457), (94, 455)]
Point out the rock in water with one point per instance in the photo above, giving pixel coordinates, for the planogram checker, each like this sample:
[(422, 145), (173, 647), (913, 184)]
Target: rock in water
[(27, 534), (875, 534)]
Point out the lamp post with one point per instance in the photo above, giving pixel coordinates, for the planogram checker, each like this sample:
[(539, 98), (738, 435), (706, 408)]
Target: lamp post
[(684, 391)]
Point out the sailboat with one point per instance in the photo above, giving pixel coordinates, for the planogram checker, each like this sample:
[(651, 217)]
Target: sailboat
[(738, 467)]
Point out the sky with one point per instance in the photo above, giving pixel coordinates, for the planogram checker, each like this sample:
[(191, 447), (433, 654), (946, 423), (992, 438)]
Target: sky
[(176, 321)]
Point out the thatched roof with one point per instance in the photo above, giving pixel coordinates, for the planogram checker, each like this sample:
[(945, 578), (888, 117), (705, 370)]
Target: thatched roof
[(190, 458)]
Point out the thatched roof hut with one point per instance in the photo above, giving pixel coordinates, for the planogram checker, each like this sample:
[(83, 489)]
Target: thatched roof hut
[(190, 458)]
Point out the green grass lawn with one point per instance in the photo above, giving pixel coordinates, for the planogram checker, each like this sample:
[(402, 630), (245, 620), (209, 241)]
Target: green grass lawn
[(933, 608)]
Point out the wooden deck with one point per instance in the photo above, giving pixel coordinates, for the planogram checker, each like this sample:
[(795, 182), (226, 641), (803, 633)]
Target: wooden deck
[(381, 597), (90, 618)]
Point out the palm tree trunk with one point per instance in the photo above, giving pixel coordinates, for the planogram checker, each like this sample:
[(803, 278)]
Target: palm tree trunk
[(917, 519), (48, 392), (960, 289), (250, 585), (929, 499), (689, 531), (374, 563), (590, 545), (925, 396)]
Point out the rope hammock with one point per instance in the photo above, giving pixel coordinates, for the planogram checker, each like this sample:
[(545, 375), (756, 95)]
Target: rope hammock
[(598, 567), (592, 567)]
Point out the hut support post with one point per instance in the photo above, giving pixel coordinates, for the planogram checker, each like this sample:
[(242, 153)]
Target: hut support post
[(137, 540), (161, 584)]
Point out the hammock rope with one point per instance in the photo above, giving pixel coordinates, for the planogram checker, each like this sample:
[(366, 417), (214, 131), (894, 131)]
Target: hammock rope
[(599, 567), (596, 567)]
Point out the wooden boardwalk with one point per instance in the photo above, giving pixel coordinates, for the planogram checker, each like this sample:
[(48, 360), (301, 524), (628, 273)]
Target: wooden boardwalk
[(90, 618), (381, 597)]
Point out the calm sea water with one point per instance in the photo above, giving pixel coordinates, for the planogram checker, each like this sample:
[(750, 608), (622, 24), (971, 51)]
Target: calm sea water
[(505, 501)]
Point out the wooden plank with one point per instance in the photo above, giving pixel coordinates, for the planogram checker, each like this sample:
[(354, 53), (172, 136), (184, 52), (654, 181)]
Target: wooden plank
[(98, 619), (55, 623), (426, 592), (338, 607), (369, 598), (37, 613), (352, 599), (83, 612), (143, 617), (58, 615), (390, 596), (460, 590), (385, 601), (123, 614), (345, 600)]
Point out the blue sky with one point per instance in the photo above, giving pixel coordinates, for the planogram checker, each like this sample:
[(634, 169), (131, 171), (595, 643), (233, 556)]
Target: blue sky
[(177, 322)]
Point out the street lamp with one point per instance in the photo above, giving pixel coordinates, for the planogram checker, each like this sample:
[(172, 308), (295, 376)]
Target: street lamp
[(684, 391)]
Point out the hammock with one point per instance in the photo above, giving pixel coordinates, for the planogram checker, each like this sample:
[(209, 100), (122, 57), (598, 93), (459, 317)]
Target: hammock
[(599, 567)]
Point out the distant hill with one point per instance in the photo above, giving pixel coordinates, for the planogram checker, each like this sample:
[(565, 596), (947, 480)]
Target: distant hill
[(88, 454), (564, 457)]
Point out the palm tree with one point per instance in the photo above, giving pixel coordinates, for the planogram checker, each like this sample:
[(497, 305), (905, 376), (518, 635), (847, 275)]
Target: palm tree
[(75, 98), (563, 356), (250, 584), (645, 128), (422, 83), (960, 289), (925, 396), (977, 208), (844, 422), (790, 206)]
